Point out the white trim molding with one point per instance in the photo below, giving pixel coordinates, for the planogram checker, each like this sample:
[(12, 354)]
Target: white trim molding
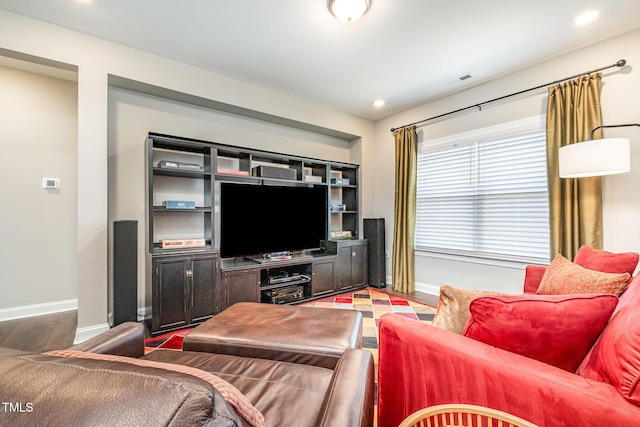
[(38, 309), (421, 287), (83, 334), (144, 313), (428, 289)]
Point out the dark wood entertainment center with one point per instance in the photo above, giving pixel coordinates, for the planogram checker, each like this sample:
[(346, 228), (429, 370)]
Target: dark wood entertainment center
[(187, 280)]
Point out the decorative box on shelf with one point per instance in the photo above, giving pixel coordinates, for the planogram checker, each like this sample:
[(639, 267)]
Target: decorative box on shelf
[(340, 181), (312, 178)]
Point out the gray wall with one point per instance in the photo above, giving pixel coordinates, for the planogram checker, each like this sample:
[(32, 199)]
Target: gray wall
[(38, 135)]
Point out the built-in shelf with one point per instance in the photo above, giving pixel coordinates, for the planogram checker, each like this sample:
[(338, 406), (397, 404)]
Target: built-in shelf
[(225, 163), (187, 285)]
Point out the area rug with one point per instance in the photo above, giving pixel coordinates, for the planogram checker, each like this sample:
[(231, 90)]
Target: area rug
[(372, 303), (168, 341)]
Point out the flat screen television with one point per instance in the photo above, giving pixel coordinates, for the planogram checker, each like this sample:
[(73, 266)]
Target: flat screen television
[(260, 219)]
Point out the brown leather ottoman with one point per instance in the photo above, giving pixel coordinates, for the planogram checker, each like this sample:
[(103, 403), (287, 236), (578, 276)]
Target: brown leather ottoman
[(308, 335)]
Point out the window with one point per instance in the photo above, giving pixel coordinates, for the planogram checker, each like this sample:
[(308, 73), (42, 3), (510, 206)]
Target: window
[(485, 195)]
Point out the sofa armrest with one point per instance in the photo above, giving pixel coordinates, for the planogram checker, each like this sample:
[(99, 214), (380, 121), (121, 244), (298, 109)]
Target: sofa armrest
[(420, 366), (532, 278), (126, 339), (350, 397)]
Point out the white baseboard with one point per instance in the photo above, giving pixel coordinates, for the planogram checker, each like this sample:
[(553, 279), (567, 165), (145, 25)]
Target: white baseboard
[(428, 289), (422, 287), (38, 309), (83, 334), (144, 313)]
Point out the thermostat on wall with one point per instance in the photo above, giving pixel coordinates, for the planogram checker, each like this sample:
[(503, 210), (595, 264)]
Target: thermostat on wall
[(51, 183)]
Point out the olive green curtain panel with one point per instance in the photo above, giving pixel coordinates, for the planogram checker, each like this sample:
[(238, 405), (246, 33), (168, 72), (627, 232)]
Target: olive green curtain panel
[(575, 204), (406, 141)]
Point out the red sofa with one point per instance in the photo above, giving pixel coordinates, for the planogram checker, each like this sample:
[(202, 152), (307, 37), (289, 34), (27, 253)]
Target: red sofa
[(421, 365)]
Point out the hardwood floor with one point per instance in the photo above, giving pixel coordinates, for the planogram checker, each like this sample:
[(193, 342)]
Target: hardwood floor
[(57, 331), (40, 333), (421, 297)]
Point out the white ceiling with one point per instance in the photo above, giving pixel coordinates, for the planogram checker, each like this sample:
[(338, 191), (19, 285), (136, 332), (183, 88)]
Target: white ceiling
[(404, 51)]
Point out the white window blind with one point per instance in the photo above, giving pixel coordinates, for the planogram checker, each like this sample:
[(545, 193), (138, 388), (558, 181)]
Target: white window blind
[(486, 198)]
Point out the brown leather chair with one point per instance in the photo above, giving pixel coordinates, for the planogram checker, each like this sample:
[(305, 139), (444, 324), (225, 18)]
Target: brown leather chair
[(45, 389)]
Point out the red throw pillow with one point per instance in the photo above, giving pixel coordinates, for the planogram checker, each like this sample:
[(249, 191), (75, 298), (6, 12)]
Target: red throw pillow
[(615, 358), (607, 262), (565, 277), (555, 329)]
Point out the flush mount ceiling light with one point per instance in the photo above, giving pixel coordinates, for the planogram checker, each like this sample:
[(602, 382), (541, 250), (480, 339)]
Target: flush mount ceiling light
[(348, 11)]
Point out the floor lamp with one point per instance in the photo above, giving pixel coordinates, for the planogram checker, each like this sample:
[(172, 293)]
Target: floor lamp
[(596, 157)]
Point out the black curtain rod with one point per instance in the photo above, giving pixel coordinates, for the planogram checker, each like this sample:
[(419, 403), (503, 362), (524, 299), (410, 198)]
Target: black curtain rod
[(620, 63)]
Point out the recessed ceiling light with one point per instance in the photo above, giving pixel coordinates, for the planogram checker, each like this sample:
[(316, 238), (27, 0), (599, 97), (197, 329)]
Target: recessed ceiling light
[(586, 17), (378, 103)]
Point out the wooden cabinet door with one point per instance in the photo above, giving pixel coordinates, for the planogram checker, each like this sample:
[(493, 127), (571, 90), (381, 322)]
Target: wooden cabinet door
[(352, 264), (170, 299), (359, 265), (241, 286), (323, 276), (344, 267), (204, 271)]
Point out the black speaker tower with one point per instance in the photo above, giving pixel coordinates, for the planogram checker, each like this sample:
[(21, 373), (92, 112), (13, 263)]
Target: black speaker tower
[(374, 233), (125, 272)]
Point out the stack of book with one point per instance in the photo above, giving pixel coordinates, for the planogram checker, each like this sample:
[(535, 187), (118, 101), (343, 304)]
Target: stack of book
[(182, 243), (338, 235), (233, 172), (168, 164), (179, 204)]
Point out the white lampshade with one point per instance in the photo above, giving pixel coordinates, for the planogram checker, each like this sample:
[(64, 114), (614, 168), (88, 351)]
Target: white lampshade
[(597, 157), (348, 11)]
